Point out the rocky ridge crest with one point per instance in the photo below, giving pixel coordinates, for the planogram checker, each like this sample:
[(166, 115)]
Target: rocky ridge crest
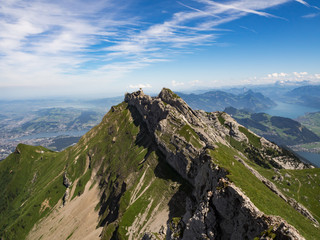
[(217, 208), (156, 169)]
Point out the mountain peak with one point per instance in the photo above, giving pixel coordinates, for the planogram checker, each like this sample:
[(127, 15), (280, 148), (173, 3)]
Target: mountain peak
[(163, 170), (167, 94)]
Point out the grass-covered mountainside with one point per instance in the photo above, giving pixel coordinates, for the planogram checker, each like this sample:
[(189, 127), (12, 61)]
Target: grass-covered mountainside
[(118, 148), (283, 131), (219, 100), (157, 169)]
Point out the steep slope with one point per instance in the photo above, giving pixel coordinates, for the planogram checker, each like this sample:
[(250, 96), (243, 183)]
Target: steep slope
[(120, 158), (157, 170), (283, 131)]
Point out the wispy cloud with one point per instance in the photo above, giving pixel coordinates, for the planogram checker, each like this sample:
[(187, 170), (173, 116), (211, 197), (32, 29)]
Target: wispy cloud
[(311, 15), (303, 2), (193, 26), (62, 43), (240, 7), (42, 43), (249, 29), (307, 4)]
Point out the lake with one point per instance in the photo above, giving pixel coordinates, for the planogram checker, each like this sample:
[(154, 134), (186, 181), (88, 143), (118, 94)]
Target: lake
[(314, 158), (289, 110)]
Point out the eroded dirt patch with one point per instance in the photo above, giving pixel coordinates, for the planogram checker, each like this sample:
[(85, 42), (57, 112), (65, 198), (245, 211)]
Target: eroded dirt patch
[(76, 220)]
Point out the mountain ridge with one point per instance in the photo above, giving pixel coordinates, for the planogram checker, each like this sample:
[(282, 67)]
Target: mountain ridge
[(281, 130), (156, 159), (219, 100), (306, 95)]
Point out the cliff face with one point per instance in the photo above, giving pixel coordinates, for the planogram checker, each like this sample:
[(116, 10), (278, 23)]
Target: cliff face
[(184, 136), (155, 169)]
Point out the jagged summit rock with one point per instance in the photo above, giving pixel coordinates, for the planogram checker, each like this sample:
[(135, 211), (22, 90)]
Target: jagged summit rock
[(187, 155), (156, 169)]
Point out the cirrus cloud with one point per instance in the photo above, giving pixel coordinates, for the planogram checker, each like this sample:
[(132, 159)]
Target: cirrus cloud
[(62, 43)]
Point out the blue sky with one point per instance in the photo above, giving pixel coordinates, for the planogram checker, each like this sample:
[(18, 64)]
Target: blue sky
[(103, 48)]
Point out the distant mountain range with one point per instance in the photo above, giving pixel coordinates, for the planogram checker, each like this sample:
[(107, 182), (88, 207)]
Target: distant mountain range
[(311, 121), (306, 95), (25, 118), (156, 169), (219, 100), (283, 131)]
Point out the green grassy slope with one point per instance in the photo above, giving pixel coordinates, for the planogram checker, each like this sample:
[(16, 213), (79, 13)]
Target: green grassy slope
[(267, 201), (123, 155), (135, 181), (301, 185), (28, 177)]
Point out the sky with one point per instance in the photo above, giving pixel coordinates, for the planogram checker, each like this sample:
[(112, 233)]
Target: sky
[(104, 48)]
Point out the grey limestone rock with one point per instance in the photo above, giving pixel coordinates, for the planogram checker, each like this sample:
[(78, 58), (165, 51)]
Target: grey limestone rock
[(66, 181), (217, 209)]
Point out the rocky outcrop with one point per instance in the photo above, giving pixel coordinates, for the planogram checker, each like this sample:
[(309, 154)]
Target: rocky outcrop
[(67, 183), (155, 169), (217, 208)]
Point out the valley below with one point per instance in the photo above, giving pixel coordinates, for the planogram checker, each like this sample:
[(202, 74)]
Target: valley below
[(59, 124), (159, 120)]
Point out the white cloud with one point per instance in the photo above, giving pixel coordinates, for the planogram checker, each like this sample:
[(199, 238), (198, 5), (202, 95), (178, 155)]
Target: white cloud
[(277, 75), (238, 6), (181, 30), (177, 84), (300, 74), (42, 36), (140, 86), (284, 77), (194, 82), (307, 4), (311, 15), (303, 2), (65, 42)]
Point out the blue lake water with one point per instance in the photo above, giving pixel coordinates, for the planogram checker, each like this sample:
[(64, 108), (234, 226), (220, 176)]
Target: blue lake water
[(294, 111), (314, 158), (289, 110)]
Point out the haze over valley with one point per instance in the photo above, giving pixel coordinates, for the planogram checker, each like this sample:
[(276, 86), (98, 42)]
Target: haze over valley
[(48, 123), (153, 120)]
